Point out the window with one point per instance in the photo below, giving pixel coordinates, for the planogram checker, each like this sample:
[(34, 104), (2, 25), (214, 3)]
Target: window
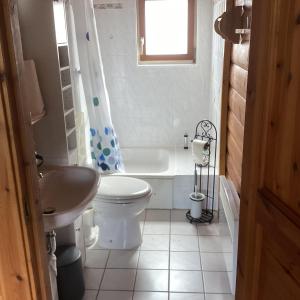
[(166, 30)]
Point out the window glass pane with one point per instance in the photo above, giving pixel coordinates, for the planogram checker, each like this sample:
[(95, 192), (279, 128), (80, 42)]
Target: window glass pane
[(166, 27)]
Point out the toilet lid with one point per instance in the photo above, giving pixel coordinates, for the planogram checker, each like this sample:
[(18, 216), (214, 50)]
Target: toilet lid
[(119, 187)]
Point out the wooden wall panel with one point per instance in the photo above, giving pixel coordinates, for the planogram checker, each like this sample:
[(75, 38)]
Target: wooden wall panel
[(236, 108), (235, 150), (236, 129), (232, 173), (238, 80), (237, 105), (240, 55), (234, 94)]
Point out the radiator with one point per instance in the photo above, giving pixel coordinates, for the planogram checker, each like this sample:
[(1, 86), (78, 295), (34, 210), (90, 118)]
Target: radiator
[(230, 202)]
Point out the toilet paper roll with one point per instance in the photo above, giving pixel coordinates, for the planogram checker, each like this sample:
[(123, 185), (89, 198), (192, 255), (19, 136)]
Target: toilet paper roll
[(199, 149)]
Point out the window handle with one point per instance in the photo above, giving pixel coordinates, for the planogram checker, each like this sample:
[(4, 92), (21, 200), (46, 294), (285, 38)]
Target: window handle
[(142, 44)]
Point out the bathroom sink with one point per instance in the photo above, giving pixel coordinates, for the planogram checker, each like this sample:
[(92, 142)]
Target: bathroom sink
[(65, 193)]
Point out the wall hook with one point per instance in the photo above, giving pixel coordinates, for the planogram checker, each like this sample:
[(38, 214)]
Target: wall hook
[(234, 25)]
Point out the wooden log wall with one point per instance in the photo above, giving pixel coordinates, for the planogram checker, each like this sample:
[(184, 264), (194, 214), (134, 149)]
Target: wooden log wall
[(238, 76)]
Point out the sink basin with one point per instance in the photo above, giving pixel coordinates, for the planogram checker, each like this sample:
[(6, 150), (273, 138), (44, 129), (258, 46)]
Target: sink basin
[(65, 193)]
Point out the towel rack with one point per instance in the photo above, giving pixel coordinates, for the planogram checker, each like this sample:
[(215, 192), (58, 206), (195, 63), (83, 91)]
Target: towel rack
[(206, 131)]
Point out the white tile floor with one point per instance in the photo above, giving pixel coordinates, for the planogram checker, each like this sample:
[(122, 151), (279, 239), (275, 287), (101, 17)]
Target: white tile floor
[(176, 261)]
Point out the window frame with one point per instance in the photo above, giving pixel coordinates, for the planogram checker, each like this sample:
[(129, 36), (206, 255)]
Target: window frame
[(190, 57)]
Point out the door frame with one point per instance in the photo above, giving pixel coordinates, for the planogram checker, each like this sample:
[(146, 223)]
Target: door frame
[(23, 258)]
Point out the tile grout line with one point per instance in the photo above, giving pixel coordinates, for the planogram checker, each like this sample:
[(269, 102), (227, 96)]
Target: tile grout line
[(109, 252), (201, 267), (138, 260)]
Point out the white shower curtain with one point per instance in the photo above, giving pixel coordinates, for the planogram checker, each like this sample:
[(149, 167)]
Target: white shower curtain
[(92, 101)]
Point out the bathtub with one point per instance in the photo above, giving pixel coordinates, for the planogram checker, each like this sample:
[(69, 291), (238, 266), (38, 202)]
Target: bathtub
[(156, 162), (170, 172)]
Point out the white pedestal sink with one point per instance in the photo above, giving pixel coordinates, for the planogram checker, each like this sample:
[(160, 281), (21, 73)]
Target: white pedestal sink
[(65, 193)]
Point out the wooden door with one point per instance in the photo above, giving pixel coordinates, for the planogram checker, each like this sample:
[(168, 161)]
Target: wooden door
[(23, 263), (269, 236), (235, 76)]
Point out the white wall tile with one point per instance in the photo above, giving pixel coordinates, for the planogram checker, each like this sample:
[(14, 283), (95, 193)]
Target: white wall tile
[(158, 103), (217, 68)]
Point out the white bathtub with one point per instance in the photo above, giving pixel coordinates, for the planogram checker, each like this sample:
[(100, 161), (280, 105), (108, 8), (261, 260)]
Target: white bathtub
[(170, 172), (149, 162)]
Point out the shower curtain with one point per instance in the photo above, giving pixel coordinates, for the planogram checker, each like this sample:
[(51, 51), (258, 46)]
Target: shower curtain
[(91, 97)]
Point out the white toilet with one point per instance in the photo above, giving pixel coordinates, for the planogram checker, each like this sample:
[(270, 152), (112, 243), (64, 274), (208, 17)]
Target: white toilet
[(120, 200)]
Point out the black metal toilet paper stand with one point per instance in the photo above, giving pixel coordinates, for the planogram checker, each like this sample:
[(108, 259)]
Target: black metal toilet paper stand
[(205, 174)]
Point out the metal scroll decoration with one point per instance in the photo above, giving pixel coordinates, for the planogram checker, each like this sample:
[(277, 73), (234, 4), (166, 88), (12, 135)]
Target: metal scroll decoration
[(205, 174)]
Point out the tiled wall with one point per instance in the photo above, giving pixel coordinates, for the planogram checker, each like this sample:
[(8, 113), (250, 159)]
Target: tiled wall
[(217, 68), (152, 106)]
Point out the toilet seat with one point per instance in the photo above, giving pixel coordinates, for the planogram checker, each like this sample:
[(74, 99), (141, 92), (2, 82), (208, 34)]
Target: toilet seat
[(121, 189)]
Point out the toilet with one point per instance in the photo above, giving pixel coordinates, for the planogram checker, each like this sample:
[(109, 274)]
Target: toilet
[(119, 202)]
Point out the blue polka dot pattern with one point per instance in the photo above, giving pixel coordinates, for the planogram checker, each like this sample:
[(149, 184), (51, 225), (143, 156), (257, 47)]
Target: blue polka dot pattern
[(105, 151), (93, 131), (96, 101), (104, 167)]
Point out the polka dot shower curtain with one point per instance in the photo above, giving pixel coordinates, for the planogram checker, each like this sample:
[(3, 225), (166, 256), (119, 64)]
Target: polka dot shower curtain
[(104, 148)]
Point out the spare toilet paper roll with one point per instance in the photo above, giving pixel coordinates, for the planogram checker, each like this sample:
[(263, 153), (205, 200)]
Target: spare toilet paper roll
[(199, 148)]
